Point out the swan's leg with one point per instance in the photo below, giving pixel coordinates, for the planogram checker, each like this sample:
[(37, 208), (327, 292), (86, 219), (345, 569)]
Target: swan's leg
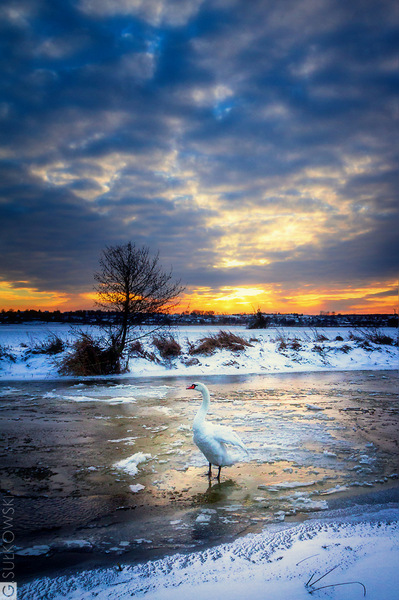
[(210, 470), (218, 477)]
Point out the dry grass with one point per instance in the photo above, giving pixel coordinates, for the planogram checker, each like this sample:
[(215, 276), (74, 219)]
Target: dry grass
[(167, 346), (136, 349), (219, 341), (89, 357), (52, 345), (345, 348), (317, 336), (295, 344), (5, 354), (286, 343), (376, 336), (373, 335)]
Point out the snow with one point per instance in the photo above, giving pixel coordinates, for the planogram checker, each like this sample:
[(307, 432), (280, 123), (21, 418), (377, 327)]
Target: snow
[(34, 550), (77, 544), (289, 563), (265, 355), (286, 485), (130, 464), (136, 488)]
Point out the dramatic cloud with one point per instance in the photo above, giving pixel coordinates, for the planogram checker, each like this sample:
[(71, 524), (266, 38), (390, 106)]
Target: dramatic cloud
[(252, 143)]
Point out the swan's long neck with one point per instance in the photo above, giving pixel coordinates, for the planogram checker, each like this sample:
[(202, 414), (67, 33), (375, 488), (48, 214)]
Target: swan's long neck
[(201, 414)]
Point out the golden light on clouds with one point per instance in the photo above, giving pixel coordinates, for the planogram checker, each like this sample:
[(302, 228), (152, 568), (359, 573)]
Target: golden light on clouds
[(24, 296), (29, 297), (273, 298), (299, 212)]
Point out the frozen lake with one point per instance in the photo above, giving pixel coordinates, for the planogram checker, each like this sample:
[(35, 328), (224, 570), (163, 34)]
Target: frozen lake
[(106, 471)]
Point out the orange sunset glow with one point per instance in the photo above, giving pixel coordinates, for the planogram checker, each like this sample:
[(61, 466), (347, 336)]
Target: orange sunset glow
[(227, 300)]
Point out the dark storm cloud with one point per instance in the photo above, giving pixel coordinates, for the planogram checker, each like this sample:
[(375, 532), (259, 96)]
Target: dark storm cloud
[(47, 236), (60, 237), (153, 122)]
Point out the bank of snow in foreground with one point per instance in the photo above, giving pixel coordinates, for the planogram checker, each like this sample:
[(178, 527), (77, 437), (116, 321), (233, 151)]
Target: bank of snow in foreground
[(290, 564), (265, 351)]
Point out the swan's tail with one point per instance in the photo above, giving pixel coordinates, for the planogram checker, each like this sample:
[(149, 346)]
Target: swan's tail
[(243, 446), (238, 442)]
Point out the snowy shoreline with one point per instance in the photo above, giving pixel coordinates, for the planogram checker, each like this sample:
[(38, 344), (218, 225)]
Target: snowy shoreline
[(272, 350), (351, 554)]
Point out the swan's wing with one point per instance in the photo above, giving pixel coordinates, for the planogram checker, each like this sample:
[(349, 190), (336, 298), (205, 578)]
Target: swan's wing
[(225, 435)]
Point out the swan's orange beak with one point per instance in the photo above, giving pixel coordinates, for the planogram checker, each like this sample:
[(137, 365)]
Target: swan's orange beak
[(190, 387)]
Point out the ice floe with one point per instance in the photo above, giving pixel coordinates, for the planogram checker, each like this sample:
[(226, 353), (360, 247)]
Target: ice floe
[(130, 464)]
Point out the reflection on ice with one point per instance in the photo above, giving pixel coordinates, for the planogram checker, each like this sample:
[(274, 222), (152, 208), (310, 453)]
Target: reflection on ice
[(112, 394), (310, 439)]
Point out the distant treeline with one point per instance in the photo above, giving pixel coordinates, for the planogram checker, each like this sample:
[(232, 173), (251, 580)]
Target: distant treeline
[(198, 317)]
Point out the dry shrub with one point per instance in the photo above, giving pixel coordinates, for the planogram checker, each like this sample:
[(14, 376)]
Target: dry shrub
[(190, 362), (136, 349), (365, 344), (89, 357), (354, 337), (5, 354), (282, 340), (221, 340), (373, 335), (282, 345), (317, 336), (259, 321), (322, 351), (345, 348), (52, 345), (295, 344), (167, 346), (287, 344), (319, 349), (376, 336)]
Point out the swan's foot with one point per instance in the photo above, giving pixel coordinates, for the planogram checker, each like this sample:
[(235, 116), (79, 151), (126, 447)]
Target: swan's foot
[(218, 475), (210, 471)]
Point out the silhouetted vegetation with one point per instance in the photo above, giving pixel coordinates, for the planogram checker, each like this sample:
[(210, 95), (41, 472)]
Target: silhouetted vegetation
[(376, 336), (259, 321), (5, 354), (52, 345), (133, 284), (110, 317)]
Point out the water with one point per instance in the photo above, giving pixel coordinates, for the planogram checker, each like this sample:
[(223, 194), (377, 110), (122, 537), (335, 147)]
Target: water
[(311, 438)]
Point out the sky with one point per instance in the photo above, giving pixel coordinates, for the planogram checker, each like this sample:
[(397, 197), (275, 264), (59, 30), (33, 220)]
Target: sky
[(254, 144)]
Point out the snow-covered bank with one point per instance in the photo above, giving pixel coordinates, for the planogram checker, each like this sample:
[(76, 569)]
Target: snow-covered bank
[(269, 351), (290, 564)]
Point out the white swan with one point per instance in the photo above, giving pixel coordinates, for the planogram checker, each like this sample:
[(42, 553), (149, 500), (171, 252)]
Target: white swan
[(212, 439)]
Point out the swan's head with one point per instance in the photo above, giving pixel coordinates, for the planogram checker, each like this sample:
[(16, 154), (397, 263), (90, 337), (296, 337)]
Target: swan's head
[(197, 386)]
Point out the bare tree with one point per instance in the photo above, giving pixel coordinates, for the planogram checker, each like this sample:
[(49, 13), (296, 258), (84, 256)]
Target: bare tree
[(133, 283)]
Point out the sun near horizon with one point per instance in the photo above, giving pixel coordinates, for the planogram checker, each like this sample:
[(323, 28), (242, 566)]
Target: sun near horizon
[(379, 299)]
